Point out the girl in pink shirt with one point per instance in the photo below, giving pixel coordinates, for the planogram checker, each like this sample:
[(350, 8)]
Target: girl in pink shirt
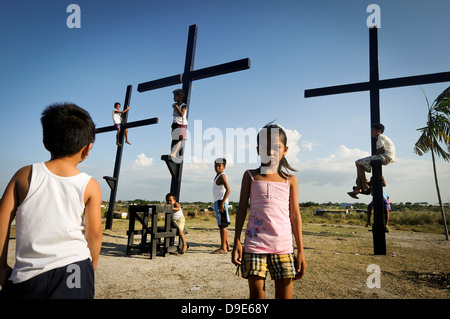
[(274, 212)]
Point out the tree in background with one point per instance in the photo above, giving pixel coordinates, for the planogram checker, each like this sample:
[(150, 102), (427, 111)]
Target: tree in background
[(437, 131)]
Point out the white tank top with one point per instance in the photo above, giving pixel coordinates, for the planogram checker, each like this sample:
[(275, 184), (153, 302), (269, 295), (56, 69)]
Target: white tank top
[(177, 118), (50, 224), (219, 190), (177, 214), (117, 117)]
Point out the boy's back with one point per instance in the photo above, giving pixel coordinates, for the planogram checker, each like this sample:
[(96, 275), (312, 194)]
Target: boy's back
[(49, 225)]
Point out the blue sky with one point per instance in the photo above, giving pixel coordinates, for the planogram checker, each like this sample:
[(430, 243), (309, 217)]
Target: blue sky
[(292, 45)]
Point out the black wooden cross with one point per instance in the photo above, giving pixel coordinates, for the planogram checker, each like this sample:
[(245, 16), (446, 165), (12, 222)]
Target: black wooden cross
[(186, 79), (114, 180), (374, 85)]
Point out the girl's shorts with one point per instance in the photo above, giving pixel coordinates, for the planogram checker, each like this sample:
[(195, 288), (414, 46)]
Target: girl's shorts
[(279, 266)]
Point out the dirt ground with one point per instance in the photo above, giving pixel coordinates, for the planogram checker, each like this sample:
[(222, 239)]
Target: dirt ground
[(416, 266)]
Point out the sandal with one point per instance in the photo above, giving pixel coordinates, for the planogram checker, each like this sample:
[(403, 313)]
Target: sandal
[(352, 195)]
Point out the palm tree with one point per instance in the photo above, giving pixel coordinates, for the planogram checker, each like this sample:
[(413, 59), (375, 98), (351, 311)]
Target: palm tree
[(437, 131)]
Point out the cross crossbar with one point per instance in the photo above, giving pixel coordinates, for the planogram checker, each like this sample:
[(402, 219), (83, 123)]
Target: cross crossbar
[(382, 84), (204, 73), (111, 128)]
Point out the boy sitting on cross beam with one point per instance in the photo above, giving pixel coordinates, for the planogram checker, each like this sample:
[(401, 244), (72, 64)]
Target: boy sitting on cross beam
[(385, 153)]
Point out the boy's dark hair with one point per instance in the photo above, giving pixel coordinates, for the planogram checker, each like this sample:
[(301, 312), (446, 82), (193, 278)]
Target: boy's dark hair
[(179, 93), (171, 195), (221, 160), (67, 128), (115, 104), (378, 127), (276, 129)]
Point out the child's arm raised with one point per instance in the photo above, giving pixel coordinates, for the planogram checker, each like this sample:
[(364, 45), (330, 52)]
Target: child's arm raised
[(176, 206), (13, 196), (93, 220), (296, 222), (236, 255)]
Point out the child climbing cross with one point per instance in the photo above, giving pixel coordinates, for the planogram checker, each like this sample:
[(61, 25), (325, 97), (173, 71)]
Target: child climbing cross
[(179, 124), (385, 153), (117, 118)]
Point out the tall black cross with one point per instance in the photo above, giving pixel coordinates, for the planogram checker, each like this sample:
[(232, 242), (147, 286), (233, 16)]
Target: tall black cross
[(114, 180), (186, 79), (374, 85)]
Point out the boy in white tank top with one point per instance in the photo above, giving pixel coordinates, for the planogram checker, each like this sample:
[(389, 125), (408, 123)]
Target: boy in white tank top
[(221, 190), (57, 212)]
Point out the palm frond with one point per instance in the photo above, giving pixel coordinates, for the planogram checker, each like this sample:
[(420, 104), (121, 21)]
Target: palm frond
[(442, 102), (438, 127)]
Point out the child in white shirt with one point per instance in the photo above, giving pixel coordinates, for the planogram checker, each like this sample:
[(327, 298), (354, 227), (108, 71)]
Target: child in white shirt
[(385, 152)]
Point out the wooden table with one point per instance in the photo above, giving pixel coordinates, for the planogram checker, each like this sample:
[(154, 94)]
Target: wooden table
[(162, 238)]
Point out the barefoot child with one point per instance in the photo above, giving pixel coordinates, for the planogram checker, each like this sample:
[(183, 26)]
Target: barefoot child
[(274, 212), (58, 216), (178, 219), (117, 118), (385, 152), (221, 191)]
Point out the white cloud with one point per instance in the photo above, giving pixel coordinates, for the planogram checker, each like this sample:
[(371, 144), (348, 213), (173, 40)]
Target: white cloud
[(142, 161), (308, 145), (293, 138), (338, 169)]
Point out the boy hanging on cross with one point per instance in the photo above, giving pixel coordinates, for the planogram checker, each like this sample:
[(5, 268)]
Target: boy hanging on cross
[(385, 152), (117, 118)]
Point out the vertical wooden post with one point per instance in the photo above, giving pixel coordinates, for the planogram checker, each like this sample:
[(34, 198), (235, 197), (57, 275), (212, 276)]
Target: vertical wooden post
[(115, 179)]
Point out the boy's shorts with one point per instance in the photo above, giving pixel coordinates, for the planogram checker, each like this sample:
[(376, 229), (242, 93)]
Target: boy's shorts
[(179, 223), (280, 266), (74, 281), (386, 204), (117, 125), (365, 162), (223, 219)]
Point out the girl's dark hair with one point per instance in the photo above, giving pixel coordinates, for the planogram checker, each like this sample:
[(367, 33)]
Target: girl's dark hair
[(283, 167), (67, 128)]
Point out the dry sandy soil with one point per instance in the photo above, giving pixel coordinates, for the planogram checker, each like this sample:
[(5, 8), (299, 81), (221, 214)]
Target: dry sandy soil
[(416, 266)]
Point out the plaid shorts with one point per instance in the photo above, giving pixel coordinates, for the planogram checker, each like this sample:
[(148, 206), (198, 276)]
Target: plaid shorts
[(279, 266)]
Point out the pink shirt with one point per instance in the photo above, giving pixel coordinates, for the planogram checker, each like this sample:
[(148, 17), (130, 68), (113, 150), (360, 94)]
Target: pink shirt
[(269, 225)]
